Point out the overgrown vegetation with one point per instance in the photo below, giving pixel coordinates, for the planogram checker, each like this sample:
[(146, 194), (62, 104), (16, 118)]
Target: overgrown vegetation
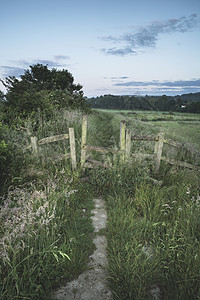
[(153, 227), (153, 232), (45, 229), (40, 89)]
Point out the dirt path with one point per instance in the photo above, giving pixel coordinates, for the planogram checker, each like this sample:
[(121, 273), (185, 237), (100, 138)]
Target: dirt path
[(91, 284)]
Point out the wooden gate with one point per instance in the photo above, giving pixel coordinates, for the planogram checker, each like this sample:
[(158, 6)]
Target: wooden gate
[(125, 148), (35, 145)]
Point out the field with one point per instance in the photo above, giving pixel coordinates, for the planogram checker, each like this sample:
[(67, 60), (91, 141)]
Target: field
[(153, 228), (183, 127)]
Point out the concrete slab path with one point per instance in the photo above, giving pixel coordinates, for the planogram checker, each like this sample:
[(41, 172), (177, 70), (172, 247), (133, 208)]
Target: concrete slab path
[(91, 284)]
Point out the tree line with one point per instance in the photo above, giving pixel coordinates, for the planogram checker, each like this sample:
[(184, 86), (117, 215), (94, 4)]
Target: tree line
[(185, 103)]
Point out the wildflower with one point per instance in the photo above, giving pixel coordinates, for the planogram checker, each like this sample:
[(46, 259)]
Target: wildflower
[(188, 191), (68, 194), (167, 206)]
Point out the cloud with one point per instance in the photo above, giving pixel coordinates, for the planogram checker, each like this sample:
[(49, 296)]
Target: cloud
[(120, 52), (50, 63), (147, 36), (156, 87), (11, 71), (120, 77), (61, 57), (24, 65), (179, 83)]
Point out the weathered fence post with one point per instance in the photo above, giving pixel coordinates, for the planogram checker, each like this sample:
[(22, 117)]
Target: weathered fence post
[(128, 143), (83, 140), (72, 148), (122, 140), (34, 144), (158, 151)]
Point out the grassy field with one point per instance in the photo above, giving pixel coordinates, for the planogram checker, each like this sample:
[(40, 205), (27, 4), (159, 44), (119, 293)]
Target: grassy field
[(183, 127), (153, 229)]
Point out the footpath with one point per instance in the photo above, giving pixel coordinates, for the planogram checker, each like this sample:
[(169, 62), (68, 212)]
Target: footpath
[(91, 284)]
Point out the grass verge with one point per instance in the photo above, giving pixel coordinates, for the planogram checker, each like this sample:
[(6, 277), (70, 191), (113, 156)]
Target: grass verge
[(46, 237), (153, 233), (45, 225)]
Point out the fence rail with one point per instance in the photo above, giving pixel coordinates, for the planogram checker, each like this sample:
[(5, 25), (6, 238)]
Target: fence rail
[(125, 148), (85, 161), (35, 143), (52, 139)]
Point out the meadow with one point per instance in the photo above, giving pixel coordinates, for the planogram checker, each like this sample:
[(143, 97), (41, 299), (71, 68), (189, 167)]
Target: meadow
[(153, 228)]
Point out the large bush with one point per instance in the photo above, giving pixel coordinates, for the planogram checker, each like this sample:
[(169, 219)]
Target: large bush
[(41, 89)]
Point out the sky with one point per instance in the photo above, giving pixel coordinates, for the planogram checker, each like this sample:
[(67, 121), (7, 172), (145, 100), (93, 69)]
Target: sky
[(127, 47)]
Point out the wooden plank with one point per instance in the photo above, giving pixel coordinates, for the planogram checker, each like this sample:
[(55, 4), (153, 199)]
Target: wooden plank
[(143, 138), (52, 139), (181, 145), (72, 148), (34, 144), (158, 151), (83, 139), (99, 163), (98, 149), (172, 143), (128, 143), (179, 163)]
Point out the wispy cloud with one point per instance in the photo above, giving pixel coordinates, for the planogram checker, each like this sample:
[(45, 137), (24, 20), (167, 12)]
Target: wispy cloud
[(147, 36), (116, 77), (54, 63), (178, 83), (156, 87), (120, 52), (61, 57), (11, 71), (58, 61)]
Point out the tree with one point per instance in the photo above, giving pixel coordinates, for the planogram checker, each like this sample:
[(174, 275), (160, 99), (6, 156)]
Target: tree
[(2, 96), (193, 107), (163, 103), (44, 89)]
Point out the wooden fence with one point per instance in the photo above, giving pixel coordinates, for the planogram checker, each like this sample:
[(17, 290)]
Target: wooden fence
[(87, 162), (159, 140), (35, 145), (125, 148)]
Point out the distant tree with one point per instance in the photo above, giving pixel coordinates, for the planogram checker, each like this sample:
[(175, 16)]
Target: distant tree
[(44, 89), (193, 107), (163, 103), (179, 102)]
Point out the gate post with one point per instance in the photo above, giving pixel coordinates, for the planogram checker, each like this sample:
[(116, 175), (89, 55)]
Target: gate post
[(34, 144), (122, 140), (72, 148), (83, 140), (128, 143), (158, 151)]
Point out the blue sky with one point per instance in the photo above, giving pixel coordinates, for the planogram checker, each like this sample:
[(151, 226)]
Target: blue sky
[(110, 46)]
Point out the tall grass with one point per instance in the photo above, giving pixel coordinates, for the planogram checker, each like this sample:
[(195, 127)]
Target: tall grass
[(153, 232), (44, 237), (45, 227)]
